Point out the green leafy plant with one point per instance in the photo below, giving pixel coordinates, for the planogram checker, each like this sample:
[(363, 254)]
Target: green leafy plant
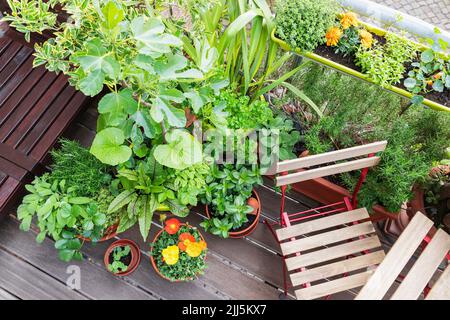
[(139, 57), (61, 214), (385, 64), (31, 16), (79, 168), (431, 72), (229, 186), (180, 255), (188, 183), (303, 23), (349, 42), (288, 137), (243, 114), (119, 256)]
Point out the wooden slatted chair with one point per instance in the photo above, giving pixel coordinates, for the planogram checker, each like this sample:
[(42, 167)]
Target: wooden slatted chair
[(420, 274), (334, 247)]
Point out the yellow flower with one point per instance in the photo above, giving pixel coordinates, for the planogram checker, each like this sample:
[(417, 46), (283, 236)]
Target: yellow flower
[(171, 255), (349, 19), (366, 38), (333, 36), (194, 249)]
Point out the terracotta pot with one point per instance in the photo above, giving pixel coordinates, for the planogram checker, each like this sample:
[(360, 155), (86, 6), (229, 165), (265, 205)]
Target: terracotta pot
[(135, 255), (110, 233), (249, 229), (153, 260)]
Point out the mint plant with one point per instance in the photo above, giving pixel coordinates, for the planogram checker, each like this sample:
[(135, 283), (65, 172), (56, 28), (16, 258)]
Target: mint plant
[(61, 214)]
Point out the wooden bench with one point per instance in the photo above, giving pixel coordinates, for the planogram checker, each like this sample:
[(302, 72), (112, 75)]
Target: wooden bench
[(36, 106)]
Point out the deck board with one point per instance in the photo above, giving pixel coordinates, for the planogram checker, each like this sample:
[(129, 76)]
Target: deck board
[(26, 281), (96, 282)]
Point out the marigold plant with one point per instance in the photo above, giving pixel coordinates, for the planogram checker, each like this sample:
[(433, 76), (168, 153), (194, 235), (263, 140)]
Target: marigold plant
[(366, 38), (349, 19), (179, 256), (333, 36), (172, 226)]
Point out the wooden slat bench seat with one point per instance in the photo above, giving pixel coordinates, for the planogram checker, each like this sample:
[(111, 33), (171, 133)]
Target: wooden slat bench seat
[(422, 271), (330, 254), (36, 106)]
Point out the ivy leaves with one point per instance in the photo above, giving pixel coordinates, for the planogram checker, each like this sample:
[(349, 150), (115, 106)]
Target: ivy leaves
[(108, 147)]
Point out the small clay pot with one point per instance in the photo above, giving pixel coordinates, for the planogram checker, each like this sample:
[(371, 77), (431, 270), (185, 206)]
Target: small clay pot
[(135, 255), (249, 229), (154, 262)]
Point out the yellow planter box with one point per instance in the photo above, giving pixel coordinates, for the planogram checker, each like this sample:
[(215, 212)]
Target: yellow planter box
[(352, 72)]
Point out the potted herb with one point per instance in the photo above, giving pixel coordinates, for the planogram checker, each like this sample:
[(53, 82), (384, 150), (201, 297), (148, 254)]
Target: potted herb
[(70, 203), (232, 204), (122, 257), (432, 196), (178, 252)]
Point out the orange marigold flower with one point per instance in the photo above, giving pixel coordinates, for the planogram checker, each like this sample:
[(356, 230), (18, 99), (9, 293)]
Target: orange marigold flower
[(202, 244), (185, 239), (194, 249), (171, 254), (349, 19), (333, 36), (366, 38), (172, 226)]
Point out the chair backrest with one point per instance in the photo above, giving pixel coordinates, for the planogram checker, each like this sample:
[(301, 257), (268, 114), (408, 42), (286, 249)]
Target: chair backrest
[(420, 273), (331, 169)]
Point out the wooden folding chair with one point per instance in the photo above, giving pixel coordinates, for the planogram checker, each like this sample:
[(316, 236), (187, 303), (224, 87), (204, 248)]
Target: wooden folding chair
[(420, 274), (313, 250)]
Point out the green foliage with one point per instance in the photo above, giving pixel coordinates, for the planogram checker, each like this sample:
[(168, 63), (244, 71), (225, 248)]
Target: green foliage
[(62, 214), (188, 183), (304, 23), (108, 147), (385, 64), (243, 49), (118, 254), (359, 113), (349, 42), (31, 16), (79, 168), (287, 138), (431, 72), (241, 113), (181, 150), (338, 93), (187, 268), (228, 188)]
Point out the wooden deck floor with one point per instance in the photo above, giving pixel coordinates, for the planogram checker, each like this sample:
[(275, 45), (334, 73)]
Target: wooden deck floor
[(238, 268)]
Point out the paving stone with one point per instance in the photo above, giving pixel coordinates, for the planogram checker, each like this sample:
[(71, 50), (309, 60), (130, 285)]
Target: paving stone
[(435, 12)]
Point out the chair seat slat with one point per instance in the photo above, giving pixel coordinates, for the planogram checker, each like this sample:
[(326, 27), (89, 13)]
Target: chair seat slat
[(323, 239), (441, 289), (322, 223), (331, 253), (334, 286), (396, 259), (337, 268), (424, 268)]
